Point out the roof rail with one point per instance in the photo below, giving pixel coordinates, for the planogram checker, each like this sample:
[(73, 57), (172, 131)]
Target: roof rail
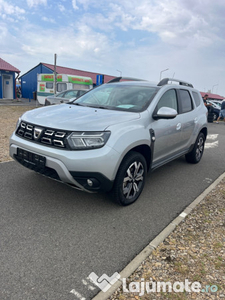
[(166, 80), (117, 79)]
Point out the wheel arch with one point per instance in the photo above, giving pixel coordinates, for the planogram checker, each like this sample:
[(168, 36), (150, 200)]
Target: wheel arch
[(204, 131), (145, 150)]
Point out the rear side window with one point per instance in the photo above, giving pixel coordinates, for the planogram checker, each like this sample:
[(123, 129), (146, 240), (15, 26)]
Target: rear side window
[(197, 98), (186, 102)]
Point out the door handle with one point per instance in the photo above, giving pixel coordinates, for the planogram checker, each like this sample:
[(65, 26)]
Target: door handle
[(178, 127)]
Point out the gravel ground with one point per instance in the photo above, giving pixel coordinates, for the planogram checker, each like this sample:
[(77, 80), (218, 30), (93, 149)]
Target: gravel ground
[(194, 251)]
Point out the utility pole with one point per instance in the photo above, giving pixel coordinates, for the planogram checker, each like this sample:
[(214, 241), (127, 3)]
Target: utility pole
[(55, 75), (161, 73)]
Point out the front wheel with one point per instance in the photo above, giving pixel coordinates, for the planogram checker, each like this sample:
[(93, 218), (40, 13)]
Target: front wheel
[(196, 154), (130, 179)]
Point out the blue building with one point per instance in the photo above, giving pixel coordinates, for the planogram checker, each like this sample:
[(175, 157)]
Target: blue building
[(29, 79), (8, 80)]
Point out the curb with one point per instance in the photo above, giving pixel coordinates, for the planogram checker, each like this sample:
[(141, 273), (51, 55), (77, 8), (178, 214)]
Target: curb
[(136, 262)]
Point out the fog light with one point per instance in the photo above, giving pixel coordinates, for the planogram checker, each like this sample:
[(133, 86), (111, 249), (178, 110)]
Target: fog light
[(89, 182)]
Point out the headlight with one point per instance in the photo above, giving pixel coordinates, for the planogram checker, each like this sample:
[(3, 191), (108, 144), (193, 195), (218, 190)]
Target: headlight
[(88, 140)]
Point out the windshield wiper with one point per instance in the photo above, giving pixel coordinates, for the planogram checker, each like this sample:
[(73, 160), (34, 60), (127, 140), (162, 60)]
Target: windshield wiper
[(87, 105), (77, 103), (99, 106)]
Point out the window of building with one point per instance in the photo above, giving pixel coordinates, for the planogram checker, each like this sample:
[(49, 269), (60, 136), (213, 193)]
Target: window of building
[(49, 85), (61, 87)]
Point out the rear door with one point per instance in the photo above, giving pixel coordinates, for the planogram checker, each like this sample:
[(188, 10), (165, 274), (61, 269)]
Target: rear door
[(189, 117)]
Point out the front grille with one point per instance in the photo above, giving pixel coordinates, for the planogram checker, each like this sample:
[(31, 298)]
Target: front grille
[(46, 136)]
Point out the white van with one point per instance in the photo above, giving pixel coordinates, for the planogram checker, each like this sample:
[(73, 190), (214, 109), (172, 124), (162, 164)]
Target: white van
[(45, 84)]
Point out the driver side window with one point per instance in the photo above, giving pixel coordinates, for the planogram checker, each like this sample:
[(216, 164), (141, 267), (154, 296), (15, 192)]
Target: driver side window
[(169, 99)]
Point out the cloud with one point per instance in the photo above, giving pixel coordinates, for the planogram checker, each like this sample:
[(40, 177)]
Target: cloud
[(7, 9), (66, 42), (176, 22), (139, 38), (87, 3), (74, 5), (50, 20), (33, 3), (61, 7)]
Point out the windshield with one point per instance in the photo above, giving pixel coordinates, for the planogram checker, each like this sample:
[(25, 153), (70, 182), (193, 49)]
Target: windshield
[(134, 98)]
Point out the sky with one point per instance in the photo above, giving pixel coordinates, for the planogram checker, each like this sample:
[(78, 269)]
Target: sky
[(134, 38)]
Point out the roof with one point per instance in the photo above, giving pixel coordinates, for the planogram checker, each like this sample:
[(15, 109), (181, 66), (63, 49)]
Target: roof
[(69, 71), (7, 67), (212, 96)]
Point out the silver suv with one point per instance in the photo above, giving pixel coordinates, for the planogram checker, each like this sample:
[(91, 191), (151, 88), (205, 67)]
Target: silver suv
[(111, 136)]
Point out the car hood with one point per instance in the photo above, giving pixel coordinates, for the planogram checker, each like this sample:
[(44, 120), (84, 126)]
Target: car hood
[(77, 118)]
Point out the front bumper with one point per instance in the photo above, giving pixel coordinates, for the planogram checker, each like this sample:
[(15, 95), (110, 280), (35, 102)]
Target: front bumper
[(89, 170)]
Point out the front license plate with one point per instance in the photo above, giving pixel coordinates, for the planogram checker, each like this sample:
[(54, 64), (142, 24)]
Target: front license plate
[(31, 158)]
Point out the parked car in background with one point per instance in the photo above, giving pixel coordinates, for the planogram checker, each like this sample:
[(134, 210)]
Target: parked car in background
[(64, 82), (216, 109), (64, 97), (219, 103)]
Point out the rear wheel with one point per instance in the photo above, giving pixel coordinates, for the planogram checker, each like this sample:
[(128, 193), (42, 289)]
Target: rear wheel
[(130, 179), (196, 154)]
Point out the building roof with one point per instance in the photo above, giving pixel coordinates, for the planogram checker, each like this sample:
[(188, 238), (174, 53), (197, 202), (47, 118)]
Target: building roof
[(7, 67), (212, 96), (69, 71)]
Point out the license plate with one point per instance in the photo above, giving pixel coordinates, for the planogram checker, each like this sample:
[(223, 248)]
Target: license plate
[(31, 158)]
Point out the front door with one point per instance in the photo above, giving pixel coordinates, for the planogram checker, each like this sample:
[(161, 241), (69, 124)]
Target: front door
[(8, 86), (167, 131)]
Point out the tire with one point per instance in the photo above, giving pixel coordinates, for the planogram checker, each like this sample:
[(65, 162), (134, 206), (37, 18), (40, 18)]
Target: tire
[(130, 179), (195, 155), (210, 119)]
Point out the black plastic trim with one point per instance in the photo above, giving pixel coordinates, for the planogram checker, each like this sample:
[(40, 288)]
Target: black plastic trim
[(49, 172), (101, 183)]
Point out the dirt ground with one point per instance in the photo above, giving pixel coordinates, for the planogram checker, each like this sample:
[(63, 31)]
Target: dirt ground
[(8, 119)]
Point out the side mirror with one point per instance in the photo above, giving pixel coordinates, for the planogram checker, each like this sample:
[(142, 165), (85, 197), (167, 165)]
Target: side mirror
[(165, 113)]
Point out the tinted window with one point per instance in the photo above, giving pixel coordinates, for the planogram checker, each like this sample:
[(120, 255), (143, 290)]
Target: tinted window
[(186, 103), (169, 99), (197, 98)]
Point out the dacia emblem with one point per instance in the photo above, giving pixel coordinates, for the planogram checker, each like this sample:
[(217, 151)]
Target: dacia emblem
[(37, 132)]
